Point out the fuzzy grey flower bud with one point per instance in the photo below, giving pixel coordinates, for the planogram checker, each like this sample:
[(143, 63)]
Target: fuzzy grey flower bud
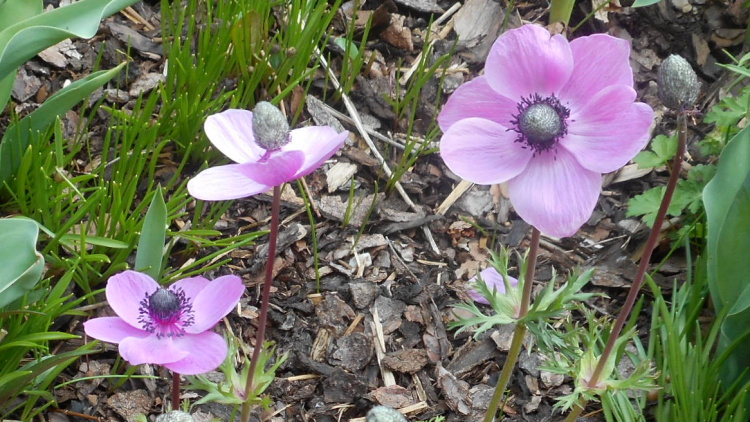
[(678, 83), (270, 128), (175, 416), (384, 414)]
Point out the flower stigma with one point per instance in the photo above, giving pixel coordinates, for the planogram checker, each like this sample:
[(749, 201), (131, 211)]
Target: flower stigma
[(540, 122), (270, 128), (166, 313)]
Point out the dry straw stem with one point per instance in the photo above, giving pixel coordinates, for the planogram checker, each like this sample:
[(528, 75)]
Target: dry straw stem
[(363, 133)]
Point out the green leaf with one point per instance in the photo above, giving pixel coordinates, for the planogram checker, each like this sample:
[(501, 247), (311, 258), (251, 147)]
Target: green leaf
[(727, 202), (153, 234), (647, 204), (644, 3), (21, 265), (18, 136), (26, 38), (663, 148)]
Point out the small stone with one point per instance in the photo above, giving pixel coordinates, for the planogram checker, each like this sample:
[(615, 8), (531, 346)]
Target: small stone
[(146, 83)]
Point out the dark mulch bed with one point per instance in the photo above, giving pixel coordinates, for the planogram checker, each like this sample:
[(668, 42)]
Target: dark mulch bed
[(395, 288)]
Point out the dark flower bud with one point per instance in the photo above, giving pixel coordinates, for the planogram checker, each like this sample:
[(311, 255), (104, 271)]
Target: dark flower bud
[(270, 128), (678, 83), (384, 414)]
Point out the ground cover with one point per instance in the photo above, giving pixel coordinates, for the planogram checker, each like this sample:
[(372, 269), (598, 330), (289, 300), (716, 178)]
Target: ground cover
[(377, 246)]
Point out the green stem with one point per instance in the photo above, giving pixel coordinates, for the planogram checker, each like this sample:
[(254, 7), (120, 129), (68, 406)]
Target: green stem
[(265, 299), (640, 275), (519, 333), (560, 11)]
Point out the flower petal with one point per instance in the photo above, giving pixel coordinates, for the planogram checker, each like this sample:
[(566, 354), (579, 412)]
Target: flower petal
[(207, 351), (191, 286), (126, 290), (599, 61), (215, 301), (280, 167), (231, 132), (112, 329), (476, 99), (317, 143), (527, 61), (555, 194), (151, 349), (608, 131), (493, 280), (482, 151), (224, 182)]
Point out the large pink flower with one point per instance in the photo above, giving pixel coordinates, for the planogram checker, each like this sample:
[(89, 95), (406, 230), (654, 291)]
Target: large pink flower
[(169, 327), (549, 117), (259, 169)]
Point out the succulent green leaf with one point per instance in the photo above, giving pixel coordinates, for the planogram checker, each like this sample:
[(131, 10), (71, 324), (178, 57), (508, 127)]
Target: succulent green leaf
[(21, 265), (727, 203), (153, 234)]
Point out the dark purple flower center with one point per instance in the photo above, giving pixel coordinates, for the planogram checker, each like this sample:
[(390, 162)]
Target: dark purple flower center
[(540, 122), (166, 313)]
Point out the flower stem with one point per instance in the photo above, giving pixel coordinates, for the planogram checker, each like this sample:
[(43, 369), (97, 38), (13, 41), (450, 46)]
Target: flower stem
[(265, 299), (640, 275), (175, 391), (520, 331)]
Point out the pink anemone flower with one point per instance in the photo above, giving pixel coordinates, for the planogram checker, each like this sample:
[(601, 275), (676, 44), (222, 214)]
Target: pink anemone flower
[(493, 280), (549, 117), (258, 168), (168, 326)]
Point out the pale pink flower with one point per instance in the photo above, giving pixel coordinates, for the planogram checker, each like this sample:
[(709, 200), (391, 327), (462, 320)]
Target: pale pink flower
[(493, 280), (168, 326), (549, 117), (260, 168)]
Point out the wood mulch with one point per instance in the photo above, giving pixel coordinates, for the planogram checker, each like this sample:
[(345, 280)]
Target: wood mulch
[(375, 329)]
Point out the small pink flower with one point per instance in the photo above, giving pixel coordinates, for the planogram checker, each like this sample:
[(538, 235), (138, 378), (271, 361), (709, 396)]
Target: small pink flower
[(261, 165), (169, 327), (549, 117), (493, 280)]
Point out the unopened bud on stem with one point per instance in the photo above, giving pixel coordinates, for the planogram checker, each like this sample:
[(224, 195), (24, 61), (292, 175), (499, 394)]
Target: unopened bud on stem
[(270, 128), (384, 414), (678, 83)]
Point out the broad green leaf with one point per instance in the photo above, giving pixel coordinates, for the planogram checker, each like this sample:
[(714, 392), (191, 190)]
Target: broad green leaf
[(20, 265), (17, 137), (727, 202), (643, 3), (148, 258), (25, 39), (12, 12)]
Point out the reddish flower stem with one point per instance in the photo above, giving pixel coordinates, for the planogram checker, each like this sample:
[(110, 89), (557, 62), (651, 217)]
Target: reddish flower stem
[(265, 299), (520, 331), (175, 391), (653, 237)]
